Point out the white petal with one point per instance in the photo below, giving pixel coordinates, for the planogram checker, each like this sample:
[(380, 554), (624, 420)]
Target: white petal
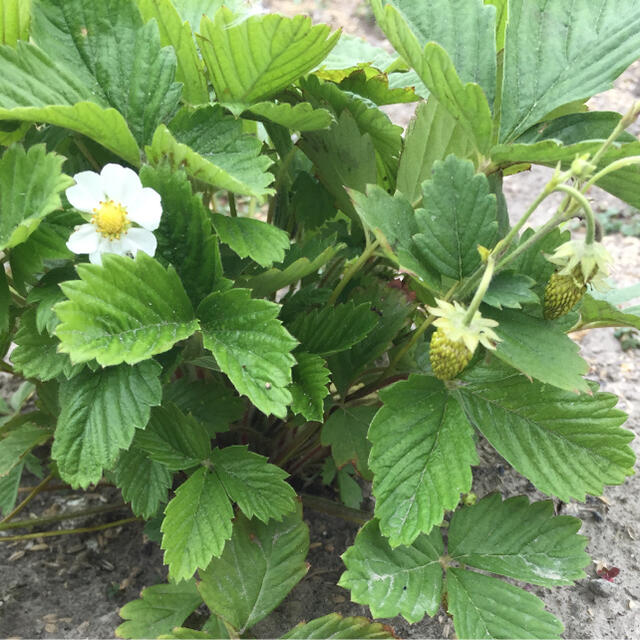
[(141, 240), (120, 183), (85, 239), (146, 209), (95, 257), (87, 192)]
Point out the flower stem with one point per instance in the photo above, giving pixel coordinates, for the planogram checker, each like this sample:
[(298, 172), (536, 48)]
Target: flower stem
[(351, 271), (232, 205), (480, 291), (623, 123), (582, 200), (68, 532), (32, 494)]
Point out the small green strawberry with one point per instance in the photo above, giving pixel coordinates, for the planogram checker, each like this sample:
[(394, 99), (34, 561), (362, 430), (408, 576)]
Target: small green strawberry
[(561, 294)]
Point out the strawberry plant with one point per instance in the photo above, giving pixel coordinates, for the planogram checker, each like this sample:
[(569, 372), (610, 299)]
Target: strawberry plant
[(228, 278)]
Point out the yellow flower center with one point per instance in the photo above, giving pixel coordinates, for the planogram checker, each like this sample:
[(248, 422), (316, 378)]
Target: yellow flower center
[(111, 219)]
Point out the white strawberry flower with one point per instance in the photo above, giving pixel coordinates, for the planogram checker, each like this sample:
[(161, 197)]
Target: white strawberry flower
[(123, 213)]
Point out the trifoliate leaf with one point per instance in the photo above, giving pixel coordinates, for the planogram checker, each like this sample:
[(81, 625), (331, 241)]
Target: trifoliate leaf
[(173, 439), (211, 146), (197, 524), (257, 486), (432, 135), (310, 385), (333, 329), (251, 346), (404, 581), (33, 88), (485, 607), (30, 183), (539, 349), (335, 626), (421, 457), (123, 311), (144, 482), (256, 239), (256, 58), (18, 443), (161, 607), (459, 215), (260, 565), (36, 354), (100, 412), (185, 239), (345, 432), (118, 57), (508, 289), (566, 444), (517, 539)]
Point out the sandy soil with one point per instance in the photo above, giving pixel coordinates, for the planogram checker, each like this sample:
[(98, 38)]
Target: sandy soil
[(72, 587)]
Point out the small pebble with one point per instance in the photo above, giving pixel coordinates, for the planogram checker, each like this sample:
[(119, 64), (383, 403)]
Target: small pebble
[(603, 588)]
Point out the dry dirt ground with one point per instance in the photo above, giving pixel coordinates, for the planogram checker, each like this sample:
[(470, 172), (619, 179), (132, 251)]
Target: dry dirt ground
[(73, 587)]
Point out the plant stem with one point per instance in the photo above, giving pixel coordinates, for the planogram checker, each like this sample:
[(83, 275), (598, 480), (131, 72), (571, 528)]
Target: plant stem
[(580, 197), (68, 532), (614, 166), (5, 366), (480, 291), (232, 205), (41, 522), (623, 123), (351, 270), (334, 509), (32, 494), (86, 153)]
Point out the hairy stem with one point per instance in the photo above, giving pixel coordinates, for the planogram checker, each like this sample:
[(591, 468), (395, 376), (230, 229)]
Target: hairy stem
[(68, 532), (352, 269), (334, 509), (32, 494)]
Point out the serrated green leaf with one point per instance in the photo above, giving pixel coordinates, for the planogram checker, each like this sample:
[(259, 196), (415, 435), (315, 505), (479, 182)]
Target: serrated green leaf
[(214, 402), (466, 30), (392, 308), (600, 313), (346, 433), (211, 146), (520, 540), (432, 135), (333, 329), (18, 443), (178, 34), (197, 524), (185, 239), (47, 242), (144, 482), (311, 203), (335, 626), (511, 290), (404, 581), (111, 52), (371, 85), (193, 10), (421, 457), (260, 565), (485, 607), (33, 88), (260, 56), (459, 215), (36, 354), (258, 487), (9, 485), (344, 157), (251, 346), (252, 238), (555, 54), (351, 50), (299, 117), (467, 103), (15, 16), (161, 607), (539, 349), (30, 182), (46, 294), (100, 412), (349, 490), (123, 311), (173, 439), (566, 444), (310, 385), (186, 633)]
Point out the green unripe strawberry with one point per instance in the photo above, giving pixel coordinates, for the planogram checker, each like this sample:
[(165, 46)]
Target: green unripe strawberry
[(448, 357), (561, 294)]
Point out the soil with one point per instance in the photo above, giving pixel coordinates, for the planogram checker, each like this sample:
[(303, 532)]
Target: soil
[(73, 586)]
